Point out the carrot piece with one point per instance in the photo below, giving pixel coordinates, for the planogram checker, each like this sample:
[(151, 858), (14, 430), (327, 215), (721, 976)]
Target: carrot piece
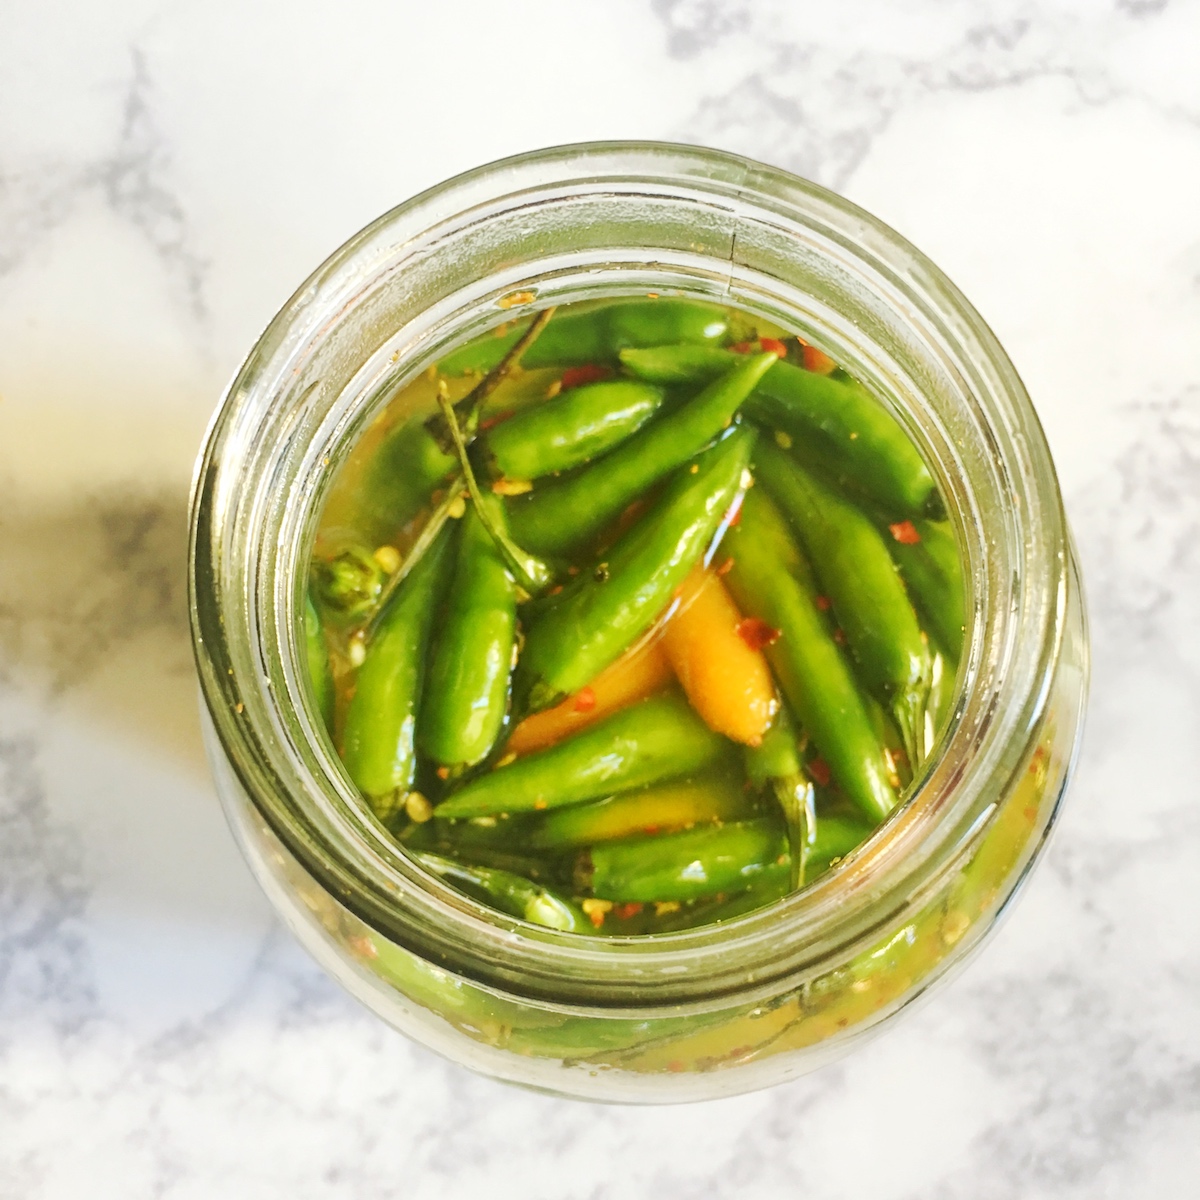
[(639, 672), (727, 681)]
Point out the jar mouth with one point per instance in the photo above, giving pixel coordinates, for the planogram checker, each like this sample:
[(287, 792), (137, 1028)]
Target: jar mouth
[(578, 222)]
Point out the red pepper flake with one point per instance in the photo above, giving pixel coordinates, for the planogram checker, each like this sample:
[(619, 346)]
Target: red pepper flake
[(770, 345), (625, 911), (823, 603), (726, 566), (818, 768), (742, 347), (817, 360), (905, 532), (443, 772), (585, 700), (676, 1065), (591, 373), (495, 419), (839, 636), (756, 633)]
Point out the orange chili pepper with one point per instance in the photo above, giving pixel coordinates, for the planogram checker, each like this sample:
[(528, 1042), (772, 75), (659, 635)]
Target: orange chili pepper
[(639, 672), (726, 678)]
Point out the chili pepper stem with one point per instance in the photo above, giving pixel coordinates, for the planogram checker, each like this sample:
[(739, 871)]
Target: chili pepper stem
[(795, 796), (530, 572), (420, 548), (467, 409), (908, 709)]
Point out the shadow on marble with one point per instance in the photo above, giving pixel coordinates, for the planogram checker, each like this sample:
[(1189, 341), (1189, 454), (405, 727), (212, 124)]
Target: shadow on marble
[(93, 613)]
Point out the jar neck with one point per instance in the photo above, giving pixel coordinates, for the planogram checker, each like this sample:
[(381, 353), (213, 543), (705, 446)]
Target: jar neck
[(579, 223)]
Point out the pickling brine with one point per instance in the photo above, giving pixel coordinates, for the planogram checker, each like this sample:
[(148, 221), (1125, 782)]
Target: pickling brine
[(633, 616)]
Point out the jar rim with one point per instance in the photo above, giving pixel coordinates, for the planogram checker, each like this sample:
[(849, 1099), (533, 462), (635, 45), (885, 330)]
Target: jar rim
[(272, 446)]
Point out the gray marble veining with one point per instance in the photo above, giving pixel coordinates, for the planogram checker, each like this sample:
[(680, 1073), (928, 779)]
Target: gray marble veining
[(164, 184)]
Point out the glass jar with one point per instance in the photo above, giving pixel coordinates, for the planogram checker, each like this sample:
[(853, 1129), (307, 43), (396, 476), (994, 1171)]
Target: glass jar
[(719, 1009)]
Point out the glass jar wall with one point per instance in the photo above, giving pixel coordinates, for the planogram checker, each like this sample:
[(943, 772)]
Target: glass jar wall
[(718, 1009)]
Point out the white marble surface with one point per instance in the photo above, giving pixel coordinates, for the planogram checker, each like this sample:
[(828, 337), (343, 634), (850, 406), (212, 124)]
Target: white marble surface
[(168, 172)]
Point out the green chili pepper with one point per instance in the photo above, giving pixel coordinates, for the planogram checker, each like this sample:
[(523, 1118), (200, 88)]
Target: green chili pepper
[(569, 513), (348, 584), (855, 435), (659, 738), (686, 866), (776, 761), (554, 872), (317, 656), (571, 429), (418, 455), (466, 698), (531, 574), (430, 531), (597, 334), (489, 832), (857, 573), (890, 738), (836, 836), (502, 845), (778, 754), (603, 611), (377, 741), (771, 579), (671, 365), (662, 806), (933, 569), (454, 999), (580, 1039), (942, 680), (402, 474), (510, 893)]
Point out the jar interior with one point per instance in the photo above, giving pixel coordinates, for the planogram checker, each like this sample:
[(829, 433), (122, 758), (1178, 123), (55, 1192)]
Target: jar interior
[(348, 576)]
